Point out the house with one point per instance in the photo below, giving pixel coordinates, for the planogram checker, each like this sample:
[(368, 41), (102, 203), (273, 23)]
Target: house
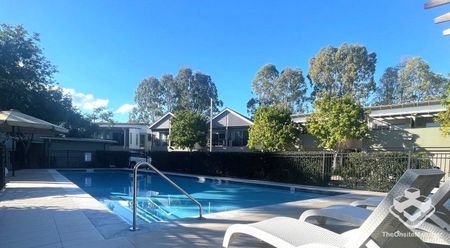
[(396, 127), (160, 131), (128, 136), (229, 132)]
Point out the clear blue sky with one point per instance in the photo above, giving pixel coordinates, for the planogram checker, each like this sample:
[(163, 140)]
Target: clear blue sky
[(105, 48)]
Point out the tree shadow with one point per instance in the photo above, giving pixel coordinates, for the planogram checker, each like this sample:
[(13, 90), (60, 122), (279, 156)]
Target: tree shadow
[(392, 140)]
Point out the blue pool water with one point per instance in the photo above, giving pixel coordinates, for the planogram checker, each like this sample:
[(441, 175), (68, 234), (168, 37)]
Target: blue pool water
[(160, 201)]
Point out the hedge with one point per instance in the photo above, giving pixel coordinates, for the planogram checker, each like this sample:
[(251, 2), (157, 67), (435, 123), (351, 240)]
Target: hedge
[(372, 171), (378, 171), (301, 168)]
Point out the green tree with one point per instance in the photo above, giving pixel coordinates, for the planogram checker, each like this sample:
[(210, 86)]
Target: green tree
[(337, 120), (188, 90), (149, 101), (273, 130), (444, 117), (286, 89), (388, 91), (27, 84), (348, 69), (418, 83), (410, 81), (187, 129), (101, 114)]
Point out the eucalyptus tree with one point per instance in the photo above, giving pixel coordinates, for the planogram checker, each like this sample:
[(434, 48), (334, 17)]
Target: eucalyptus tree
[(411, 80), (187, 90), (348, 69), (272, 88), (419, 83), (388, 91), (149, 101)]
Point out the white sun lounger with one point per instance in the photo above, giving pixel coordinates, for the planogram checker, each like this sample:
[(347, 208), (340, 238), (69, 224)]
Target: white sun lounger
[(357, 216), (371, 202), (289, 232)]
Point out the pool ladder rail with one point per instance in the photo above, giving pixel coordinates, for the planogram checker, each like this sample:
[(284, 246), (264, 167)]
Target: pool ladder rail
[(135, 171)]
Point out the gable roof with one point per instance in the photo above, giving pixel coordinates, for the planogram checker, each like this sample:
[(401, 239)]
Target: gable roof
[(237, 114), (161, 119)]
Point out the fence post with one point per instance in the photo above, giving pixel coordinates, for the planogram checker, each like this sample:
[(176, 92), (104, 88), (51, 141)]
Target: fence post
[(409, 159), (323, 166)]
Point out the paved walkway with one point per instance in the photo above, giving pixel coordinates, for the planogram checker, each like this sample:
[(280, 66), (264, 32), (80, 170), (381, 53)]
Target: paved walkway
[(41, 208)]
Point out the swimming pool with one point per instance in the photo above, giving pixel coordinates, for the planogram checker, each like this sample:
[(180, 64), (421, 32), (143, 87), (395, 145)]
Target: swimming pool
[(160, 201)]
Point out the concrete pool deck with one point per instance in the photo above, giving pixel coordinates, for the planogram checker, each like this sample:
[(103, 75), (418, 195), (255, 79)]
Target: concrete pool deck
[(41, 208)]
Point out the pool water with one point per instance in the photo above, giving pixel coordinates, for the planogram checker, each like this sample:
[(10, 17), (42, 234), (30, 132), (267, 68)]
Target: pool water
[(160, 201)]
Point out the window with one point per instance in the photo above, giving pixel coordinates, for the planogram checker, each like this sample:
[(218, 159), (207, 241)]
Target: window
[(164, 138), (118, 136), (131, 139), (240, 137), (137, 139), (87, 157), (142, 140), (218, 138)]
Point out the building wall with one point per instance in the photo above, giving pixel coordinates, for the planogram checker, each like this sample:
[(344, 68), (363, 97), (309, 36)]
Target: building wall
[(399, 139), (420, 138), (61, 145), (126, 137)]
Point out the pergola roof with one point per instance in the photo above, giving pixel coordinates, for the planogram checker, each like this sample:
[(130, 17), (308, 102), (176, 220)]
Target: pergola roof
[(394, 111), (441, 18)]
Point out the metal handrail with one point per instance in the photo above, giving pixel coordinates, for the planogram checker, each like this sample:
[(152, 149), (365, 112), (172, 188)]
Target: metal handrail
[(135, 169)]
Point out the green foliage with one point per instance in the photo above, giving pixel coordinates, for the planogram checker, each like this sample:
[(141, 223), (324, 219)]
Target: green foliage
[(26, 83), (148, 98), (378, 171), (411, 81), (188, 90), (348, 69), (273, 130), (388, 91), (101, 114), (286, 89), (300, 168), (444, 117), (187, 129), (337, 120)]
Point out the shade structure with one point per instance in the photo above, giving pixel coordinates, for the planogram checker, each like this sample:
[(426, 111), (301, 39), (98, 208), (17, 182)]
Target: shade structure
[(435, 3), (16, 121)]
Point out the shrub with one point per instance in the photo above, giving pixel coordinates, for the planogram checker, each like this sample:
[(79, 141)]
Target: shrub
[(378, 171), (371, 171)]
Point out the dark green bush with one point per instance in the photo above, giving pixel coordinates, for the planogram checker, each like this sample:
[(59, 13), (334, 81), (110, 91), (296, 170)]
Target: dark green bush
[(378, 171), (372, 171), (301, 168)]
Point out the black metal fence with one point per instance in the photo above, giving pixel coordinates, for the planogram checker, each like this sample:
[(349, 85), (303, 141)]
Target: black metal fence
[(2, 167), (377, 171), (83, 159)]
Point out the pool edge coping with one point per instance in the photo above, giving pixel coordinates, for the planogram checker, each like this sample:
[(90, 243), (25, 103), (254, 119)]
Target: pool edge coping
[(300, 187)]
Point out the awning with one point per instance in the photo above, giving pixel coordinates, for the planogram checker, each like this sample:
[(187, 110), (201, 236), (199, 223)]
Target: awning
[(20, 122)]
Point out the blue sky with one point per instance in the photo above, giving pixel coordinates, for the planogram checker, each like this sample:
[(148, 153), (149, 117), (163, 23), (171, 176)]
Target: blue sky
[(103, 49)]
